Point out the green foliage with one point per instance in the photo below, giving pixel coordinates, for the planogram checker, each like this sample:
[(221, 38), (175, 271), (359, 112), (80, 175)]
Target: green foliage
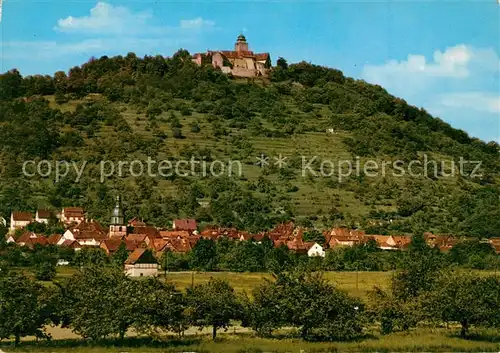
[(467, 299), (420, 269), (91, 256), (45, 271), (213, 305), (120, 255), (21, 307), (308, 302), (162, 307), (473, 253), (204, 255), (89, 117), (314, 236), (100, 302)]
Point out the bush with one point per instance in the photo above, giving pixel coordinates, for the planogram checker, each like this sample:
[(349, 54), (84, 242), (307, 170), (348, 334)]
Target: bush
[(45, 271)]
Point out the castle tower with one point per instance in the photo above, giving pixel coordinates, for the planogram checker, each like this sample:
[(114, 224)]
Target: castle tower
[(117, 226), (241, 44)]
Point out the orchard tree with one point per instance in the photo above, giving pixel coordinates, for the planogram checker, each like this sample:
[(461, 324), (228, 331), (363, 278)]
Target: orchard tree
[(467, 299), (213, 304), (162, 307), (100, 302), (317, 308), (21, 307)]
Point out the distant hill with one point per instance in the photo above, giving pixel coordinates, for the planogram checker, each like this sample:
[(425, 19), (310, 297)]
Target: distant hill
[(126, 108)]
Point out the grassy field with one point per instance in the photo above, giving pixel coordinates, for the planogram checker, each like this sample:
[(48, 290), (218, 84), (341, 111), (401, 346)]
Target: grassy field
[(357, 284), (418, 340), (354, 283)]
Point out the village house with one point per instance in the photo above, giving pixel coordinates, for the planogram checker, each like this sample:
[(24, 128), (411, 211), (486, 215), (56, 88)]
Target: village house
[(42, 216), (141, 262), (71, 215), (442, 241), (240, 62), (71, 244), (25, 237), (110, 246), (189, 225), (316, 250), (53, 239), (390, 242), (345, 237), (495, 243), (19, 220), (87, 233)]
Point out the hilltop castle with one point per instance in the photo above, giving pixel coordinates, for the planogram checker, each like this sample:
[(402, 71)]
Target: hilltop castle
[(240, 62)]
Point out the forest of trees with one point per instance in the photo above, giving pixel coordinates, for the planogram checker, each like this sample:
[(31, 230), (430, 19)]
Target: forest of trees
[(166, 90)]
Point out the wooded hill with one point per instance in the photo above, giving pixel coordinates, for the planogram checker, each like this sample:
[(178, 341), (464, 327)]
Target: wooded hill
[(126, 108)]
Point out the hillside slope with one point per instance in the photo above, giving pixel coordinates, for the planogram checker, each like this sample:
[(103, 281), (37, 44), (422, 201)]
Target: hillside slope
[(128, 108)]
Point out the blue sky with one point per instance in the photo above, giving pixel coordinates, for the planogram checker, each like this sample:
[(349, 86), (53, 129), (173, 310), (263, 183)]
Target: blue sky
[(443, 56)]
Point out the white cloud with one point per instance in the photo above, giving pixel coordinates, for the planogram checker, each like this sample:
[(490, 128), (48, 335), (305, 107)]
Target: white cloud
[(106, 18), (417, 72), (479, 101), (196, 23), (458, 84), (452, 63)]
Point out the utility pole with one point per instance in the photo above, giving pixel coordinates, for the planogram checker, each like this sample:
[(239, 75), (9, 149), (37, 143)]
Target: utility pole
[(357, 277)]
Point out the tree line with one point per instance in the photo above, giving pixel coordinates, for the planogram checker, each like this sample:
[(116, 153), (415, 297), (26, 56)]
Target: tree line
[(101, 302), (250, 256)]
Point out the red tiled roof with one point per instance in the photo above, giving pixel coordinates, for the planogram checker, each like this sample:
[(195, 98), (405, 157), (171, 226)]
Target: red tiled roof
[(22, 216), (150, 231), (75, 212), (54, 238), (402, 240), (135, 222), (282, 231), (178, 245), (138, 238), (88, 230), (135, 256), (25, 237), (113, 245), (158, 244), (185, 224), (261, 56), (39, 240), (174, 234), (44, 214), (73, 244)]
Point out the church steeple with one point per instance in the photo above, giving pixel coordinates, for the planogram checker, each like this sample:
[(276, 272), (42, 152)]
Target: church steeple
[(117, 217), (117, 226)]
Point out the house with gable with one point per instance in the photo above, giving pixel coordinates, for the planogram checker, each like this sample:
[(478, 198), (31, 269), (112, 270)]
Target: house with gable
[(43, 216), (87, 233), (19, 220), (316, 250), (189, 225), (141, 262), (71, 215)]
